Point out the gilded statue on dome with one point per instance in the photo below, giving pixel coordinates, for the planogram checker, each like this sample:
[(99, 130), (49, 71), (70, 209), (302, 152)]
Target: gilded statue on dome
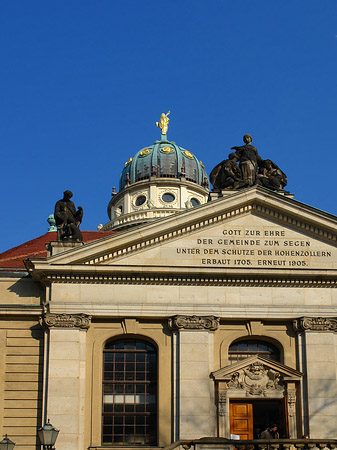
[(163, 123)]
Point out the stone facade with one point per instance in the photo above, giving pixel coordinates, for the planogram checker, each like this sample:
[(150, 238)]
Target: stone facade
[(254, 267)]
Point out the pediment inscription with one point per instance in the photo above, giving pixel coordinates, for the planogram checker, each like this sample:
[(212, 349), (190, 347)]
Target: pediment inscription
[(245, 242)]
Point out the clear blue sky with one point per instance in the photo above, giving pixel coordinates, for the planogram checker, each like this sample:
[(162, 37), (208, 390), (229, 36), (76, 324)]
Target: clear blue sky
[(83, 82)]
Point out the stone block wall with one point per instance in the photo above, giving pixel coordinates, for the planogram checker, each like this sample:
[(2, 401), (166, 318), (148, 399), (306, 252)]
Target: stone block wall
[(21, 371)]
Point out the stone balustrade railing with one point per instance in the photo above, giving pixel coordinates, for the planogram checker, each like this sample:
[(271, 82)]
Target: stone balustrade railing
[(228, 444), (140, 215), (256, 444)]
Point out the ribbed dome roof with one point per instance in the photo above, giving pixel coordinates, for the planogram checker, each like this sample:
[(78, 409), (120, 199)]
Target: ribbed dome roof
[(163, 159)]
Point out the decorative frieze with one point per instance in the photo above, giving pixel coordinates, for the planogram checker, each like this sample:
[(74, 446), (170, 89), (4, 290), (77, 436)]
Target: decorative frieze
[(315, 324), (209, 323), (257, 380), (82, 321)]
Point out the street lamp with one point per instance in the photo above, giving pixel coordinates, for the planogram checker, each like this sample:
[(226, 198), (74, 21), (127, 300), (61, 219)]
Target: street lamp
[(48, 435), (6, 444)]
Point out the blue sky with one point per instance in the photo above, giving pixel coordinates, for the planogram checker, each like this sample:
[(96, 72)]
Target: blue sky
[(83, 82)]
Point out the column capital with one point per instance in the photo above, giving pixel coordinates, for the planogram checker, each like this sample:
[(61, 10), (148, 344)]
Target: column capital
[(315, 324), (206, 323), (81, 321)]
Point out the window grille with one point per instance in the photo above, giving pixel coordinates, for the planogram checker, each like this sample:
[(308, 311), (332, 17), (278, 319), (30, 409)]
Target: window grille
[(130, 393)]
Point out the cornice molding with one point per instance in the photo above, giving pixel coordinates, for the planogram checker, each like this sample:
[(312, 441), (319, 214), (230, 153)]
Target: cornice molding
[(243, 279), (205, 323), (81, 321), (315, 324)]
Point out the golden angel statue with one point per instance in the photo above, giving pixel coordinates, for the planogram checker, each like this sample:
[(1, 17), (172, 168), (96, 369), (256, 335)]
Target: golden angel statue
[(163, 122)]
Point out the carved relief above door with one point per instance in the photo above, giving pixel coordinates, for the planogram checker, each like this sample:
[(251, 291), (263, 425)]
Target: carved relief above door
[(256, 378)]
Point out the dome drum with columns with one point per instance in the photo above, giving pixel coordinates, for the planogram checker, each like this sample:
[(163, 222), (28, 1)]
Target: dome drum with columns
[(158, 181)]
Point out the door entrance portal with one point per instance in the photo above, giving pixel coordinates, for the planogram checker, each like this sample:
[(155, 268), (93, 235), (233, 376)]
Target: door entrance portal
[(269, 387), (249, 419)]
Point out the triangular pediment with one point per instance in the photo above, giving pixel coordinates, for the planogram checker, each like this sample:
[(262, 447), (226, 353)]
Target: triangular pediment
[(256, 363), (251, 231)]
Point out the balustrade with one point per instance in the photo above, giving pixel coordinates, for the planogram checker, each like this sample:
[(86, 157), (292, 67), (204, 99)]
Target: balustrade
[(256, 444)]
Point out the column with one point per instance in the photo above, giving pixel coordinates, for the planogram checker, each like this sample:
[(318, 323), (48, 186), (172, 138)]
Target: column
[(318, 340), (65, 376), (193, 390)]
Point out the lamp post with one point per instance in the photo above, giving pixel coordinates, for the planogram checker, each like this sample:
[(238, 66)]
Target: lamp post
[(48, 435), (6, 444)]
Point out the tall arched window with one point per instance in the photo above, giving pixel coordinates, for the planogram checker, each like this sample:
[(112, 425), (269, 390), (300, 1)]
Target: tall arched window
[(245, 348), (130, 393)]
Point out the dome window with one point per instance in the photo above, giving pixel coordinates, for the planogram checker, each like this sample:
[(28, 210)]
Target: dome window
[(168, 197), (140, 200), (195, 201)]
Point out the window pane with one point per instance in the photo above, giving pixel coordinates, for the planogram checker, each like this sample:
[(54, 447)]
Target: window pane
[(108, 375), (107, 407), (130, 344), (140, 388), (119, 376), (119, 357), (108, 357), (108, 367), (140, 345), (118, 345)]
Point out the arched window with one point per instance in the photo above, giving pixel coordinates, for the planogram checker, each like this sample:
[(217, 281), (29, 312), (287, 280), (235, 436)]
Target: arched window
[(245, 348), (130, 393)]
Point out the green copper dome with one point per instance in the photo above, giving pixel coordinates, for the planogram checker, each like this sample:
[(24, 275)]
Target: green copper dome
[(163, 159)]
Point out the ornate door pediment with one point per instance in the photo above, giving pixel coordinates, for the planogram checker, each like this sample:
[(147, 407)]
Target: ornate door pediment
[(256, 377)]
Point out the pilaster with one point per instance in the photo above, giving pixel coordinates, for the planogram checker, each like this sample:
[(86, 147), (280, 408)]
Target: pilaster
[(194, 393), (65, 376), (318, 339)]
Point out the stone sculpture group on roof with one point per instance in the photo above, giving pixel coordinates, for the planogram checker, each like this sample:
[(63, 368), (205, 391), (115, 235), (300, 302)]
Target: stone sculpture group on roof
[(245, 168)]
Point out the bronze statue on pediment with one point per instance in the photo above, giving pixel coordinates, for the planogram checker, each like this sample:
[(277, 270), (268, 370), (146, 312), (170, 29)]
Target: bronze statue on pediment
[(244, 167), (68, 219)]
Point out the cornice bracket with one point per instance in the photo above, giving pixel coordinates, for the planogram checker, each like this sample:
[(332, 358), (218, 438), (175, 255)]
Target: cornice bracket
[(80, 321), (315, 324), (205, 323)]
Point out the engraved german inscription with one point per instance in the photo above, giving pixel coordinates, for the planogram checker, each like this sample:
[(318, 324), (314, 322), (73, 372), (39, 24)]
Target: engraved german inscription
[(261, 247)]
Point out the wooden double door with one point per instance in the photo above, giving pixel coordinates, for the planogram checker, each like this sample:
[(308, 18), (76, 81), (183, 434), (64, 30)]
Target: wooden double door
[(249, 419)]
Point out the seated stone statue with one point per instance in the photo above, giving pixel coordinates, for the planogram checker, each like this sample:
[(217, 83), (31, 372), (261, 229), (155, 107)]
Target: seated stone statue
[(271, 176), (227, 175), (68, 219)]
